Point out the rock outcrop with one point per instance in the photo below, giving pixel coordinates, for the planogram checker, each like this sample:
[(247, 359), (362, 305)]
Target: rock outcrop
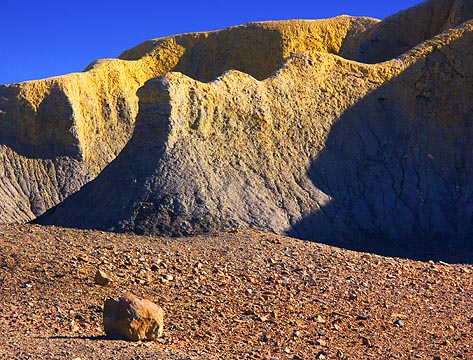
[(59, 133), (327, 149)]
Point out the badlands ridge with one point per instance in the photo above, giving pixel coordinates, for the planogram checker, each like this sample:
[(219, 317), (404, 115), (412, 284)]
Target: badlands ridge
[(347, 131)]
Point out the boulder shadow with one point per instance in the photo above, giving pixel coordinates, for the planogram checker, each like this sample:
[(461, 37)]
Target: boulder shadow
[(91, 338)]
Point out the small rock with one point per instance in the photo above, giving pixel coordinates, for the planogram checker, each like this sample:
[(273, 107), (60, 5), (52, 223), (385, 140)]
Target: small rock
[(132, 318), (154, 267), (265, 338), (102, 278), (167, 277), (322, 355), (320, 342), (399, 322), (437, 358), (296, 333), (263, 318)]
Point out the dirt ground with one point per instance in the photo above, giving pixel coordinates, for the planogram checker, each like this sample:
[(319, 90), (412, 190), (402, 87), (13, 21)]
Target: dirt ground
[(244, 295)]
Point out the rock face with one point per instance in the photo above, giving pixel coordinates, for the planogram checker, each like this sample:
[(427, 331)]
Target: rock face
[(59, 133), (133, 319), (327, 149), (324, 148)]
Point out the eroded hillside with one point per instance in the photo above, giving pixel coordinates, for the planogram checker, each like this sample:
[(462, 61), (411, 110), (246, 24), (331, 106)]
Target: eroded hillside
[(327, 149), (266, 125), (59, 133)]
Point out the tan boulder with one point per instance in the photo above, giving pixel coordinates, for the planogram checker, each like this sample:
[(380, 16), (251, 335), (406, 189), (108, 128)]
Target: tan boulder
[(132, 318)]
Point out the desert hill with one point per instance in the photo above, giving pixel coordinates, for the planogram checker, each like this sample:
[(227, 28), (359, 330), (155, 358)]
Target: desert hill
[(59, 133), (326, 149), (347, 131)]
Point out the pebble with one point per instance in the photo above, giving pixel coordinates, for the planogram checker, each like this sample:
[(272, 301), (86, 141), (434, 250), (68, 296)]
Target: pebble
[(399, 322), (320, 342), (166, 278), (102, 278)]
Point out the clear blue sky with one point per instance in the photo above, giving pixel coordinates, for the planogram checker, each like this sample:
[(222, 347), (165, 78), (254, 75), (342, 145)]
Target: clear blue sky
[(42, 38)]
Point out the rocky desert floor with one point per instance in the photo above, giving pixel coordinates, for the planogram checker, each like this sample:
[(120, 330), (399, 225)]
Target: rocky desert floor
[(240, 295)]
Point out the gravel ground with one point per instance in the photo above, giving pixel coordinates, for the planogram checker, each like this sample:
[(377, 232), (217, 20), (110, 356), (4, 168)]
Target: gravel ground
[(243, 295)]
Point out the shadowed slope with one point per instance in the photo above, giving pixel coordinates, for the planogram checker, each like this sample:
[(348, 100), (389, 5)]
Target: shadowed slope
[(400, 32), (398, 165)]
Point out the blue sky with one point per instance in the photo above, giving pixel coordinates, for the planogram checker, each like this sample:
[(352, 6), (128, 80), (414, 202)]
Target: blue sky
[(42, 38)]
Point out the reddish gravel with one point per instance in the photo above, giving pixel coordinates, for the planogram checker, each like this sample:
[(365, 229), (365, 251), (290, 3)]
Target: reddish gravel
[(246, 295)]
